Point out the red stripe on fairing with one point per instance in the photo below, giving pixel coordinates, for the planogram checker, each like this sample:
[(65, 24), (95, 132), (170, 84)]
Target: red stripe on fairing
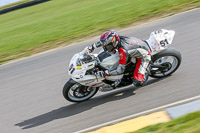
[(97, 84), (122, 56), (137, 75)]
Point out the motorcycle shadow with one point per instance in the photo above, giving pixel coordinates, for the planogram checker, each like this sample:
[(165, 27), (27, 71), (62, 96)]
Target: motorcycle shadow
[(76, 108)]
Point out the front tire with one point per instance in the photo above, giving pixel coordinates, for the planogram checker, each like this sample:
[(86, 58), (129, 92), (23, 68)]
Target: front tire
[(170, 58), (75, 92)]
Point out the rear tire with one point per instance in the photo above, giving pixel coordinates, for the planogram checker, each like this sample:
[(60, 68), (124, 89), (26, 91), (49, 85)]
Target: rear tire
[(173, 65), (79, 94)]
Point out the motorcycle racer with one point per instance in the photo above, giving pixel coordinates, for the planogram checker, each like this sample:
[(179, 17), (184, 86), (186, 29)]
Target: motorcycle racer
[(125, 61), (129, 48)]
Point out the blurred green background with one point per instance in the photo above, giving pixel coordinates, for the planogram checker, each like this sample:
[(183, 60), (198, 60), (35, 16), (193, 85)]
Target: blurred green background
[(37, 28)]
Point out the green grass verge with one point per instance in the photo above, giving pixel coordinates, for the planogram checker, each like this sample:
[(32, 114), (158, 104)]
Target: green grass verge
[(34, 29), (186, 124)]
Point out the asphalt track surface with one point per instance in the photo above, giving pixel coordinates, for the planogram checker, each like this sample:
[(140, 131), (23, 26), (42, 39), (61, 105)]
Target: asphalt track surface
[(31, 98)]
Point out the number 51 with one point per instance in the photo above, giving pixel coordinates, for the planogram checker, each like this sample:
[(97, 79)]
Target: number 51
[(164, 42)]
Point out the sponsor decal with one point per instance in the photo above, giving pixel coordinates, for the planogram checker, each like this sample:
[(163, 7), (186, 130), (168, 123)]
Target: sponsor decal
[(78, 67)]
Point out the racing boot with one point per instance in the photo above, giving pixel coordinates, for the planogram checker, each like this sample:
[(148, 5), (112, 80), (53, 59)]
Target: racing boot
[(139, 83)]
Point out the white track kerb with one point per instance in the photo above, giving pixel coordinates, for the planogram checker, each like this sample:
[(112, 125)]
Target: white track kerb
[(139, 114)]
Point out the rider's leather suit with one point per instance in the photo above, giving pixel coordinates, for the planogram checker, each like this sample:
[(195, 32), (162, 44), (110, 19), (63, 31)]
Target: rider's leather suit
[(131, 47)]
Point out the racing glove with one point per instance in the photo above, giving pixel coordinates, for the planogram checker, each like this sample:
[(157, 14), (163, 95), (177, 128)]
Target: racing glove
[(93, 46)]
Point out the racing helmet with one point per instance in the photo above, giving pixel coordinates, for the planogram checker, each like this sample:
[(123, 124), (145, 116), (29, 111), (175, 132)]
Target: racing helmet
[(109, 40)]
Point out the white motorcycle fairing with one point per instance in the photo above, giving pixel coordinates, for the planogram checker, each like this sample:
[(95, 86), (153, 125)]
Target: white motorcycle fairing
[(78, 68)]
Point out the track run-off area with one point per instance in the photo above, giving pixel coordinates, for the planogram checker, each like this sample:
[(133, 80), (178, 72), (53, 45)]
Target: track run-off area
[(31, 89)]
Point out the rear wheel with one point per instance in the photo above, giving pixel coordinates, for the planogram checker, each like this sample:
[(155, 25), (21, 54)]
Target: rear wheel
[(75, 92), (165, 63)]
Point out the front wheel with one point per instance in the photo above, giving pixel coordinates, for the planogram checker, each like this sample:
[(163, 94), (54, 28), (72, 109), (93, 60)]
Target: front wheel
[(75, 92), (165, 63)]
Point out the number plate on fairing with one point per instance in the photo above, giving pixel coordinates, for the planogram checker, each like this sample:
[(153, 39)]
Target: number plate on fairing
[(161, 39)]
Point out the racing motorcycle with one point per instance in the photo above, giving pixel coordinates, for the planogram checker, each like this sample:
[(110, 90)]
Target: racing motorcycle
[(84, 67)]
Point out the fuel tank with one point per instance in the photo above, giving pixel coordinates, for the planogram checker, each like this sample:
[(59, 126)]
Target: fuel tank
[(108, 60)]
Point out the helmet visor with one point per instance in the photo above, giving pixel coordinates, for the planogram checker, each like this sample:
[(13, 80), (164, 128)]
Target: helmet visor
[(108, 47)]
